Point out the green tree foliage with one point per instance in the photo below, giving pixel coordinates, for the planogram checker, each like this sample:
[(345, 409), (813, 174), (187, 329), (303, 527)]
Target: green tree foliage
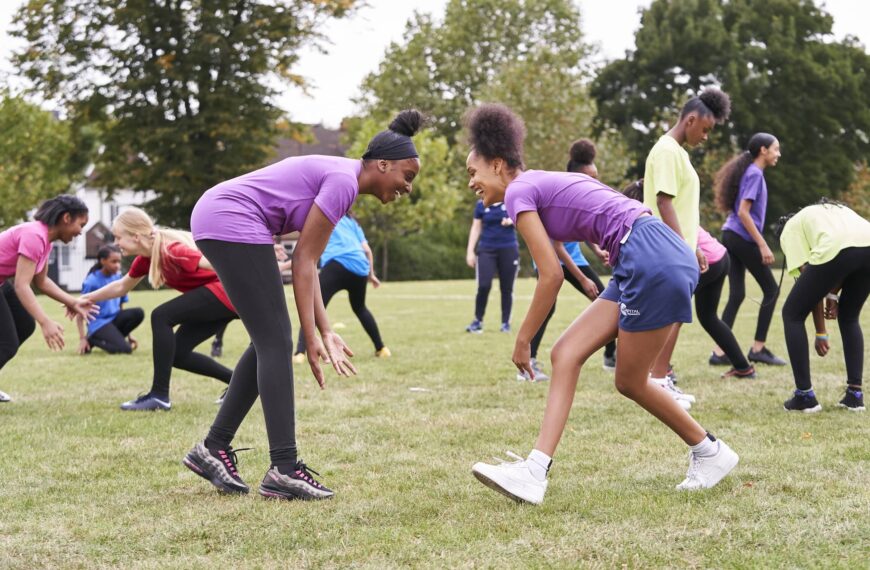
[(431, 202), (36, 152), (785, 74), (182, 89)]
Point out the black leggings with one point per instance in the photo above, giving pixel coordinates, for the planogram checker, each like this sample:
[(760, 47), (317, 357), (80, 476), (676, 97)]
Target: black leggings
[(335, 277), (610, 348), (707, 295), (112, 337), (252, 280), (199, 314), (851, 269), (504, 261), (16, 324), (746, 255)]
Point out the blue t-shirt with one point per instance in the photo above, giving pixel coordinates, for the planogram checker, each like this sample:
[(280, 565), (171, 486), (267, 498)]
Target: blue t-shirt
[(110, 308), (345, 247), (494, 235), (573, 249)]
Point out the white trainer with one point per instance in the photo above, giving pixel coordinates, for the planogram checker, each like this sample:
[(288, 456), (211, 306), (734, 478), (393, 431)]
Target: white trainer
[(705, 472), (4, 397), (675, 392), (513, 480), (536, 368)]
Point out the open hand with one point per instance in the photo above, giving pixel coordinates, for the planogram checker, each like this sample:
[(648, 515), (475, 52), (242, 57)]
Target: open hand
[(53, 334)]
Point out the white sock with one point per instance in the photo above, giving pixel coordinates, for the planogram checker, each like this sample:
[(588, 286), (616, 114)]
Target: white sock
[(539, 463), (706, 448)]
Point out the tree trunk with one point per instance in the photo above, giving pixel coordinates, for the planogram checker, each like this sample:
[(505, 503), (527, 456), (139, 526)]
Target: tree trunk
[(385, 264)]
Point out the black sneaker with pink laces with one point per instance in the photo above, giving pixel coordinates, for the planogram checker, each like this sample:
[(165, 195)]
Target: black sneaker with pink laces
[(216, 466), (299, 484)]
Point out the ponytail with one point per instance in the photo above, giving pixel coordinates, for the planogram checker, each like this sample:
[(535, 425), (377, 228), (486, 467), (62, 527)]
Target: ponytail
[(102, 254)]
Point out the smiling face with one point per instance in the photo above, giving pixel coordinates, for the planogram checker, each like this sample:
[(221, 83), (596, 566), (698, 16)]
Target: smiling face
[(698, 128), (771, 153), (130, 244), (394, 178), (69, 227), (484, 178)]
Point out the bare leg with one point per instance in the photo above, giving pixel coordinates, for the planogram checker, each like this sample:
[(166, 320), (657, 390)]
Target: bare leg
[(636, 352), (659, 368), (594, 328)]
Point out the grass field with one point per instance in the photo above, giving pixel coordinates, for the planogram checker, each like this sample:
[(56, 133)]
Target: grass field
[(85, 485)]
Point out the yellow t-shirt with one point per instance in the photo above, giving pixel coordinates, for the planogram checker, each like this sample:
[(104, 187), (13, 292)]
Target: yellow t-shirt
[(669, 171), (816, 234)]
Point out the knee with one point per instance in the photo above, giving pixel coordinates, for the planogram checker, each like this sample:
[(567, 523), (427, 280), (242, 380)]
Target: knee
[(120, 349), (628, 389), (137, 314), (159, 316), (8, 350), (561, 357)]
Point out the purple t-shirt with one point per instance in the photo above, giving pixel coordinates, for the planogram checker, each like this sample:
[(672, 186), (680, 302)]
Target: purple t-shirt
[(29, 239), (752, 187), (276, 199), (574, 207)]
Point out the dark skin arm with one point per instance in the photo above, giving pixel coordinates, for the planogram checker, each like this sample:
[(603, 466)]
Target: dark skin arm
[(664, 202)]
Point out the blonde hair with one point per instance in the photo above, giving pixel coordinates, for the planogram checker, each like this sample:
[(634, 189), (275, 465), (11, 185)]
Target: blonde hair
[(135, 222)]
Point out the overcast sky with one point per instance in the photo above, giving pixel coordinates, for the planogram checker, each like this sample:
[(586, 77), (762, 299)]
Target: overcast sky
[(358, 45)]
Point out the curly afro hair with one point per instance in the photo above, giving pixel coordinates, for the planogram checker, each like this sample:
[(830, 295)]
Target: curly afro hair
[(711, 101), (494, 131), (582, 154)]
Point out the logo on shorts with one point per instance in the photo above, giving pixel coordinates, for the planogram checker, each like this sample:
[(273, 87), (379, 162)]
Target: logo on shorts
[(626, 312)]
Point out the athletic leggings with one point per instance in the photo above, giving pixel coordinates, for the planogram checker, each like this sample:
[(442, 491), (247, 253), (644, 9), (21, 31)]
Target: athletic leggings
[(16, 324), (707, 295), (746, 255), (199, 314), (506, 262), (112, 337), (610, 348), (335, 277), (250, 276), (851, 268)]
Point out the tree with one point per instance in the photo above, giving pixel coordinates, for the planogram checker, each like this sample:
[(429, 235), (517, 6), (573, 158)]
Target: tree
[(182, 89), (431, 202), (785, 74), (36, 152)]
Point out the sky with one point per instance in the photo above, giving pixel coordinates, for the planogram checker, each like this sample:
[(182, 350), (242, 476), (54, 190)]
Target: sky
[(357, 45)]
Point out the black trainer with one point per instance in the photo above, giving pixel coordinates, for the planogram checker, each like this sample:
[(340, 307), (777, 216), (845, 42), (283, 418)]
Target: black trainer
[(717, 360), (218, 467), (853, 400), (803, 402), (298, 485), (764, 356)]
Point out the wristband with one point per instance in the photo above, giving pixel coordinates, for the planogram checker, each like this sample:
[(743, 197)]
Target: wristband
[(832, 297), (822, 336)]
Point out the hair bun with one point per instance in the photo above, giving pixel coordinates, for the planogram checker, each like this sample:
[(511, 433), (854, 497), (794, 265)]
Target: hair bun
[(717, 101), (408, 122), (583, 152)]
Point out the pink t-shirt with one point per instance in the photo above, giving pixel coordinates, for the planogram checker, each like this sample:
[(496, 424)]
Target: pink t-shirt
[(29, 239), (574, 207), (710, 246), (275, 200)]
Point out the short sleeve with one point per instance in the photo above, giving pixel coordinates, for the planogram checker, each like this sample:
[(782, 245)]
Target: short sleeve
[(336, 195), (520, 198), (751, 186), (478, 210), (664, 167), (31, 245), (184, 257), (88, 284), (140, 267), (794, 245)]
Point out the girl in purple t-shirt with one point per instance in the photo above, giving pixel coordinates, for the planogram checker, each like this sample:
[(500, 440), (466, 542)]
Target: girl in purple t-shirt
[(742, 192), (233, 225), (654, 274), (24, 251)]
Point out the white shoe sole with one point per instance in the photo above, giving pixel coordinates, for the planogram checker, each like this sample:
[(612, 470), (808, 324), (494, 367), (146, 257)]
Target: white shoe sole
[(861, 409), (479, 472), (813, 410), (731, 461)]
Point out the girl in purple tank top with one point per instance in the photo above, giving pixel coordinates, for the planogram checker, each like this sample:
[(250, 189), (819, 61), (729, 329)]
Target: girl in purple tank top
[(654, 274), (233, 225)]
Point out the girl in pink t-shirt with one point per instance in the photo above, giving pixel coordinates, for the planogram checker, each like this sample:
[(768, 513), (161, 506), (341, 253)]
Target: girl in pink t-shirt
[(654, 274), (24, 251)]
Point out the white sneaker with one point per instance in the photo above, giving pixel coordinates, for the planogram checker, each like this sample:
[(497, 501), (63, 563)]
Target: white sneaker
[(513, 480), (675, 392), (705, 472), (4, 397)]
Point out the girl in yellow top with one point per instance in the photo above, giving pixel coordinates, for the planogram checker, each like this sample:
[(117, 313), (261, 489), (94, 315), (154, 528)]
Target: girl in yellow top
[(828, 245)]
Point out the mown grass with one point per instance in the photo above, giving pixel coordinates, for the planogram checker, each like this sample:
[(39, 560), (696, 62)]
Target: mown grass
[(85, 485)]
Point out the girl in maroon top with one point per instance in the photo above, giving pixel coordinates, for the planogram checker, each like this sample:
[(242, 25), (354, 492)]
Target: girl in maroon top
[(169, 257)]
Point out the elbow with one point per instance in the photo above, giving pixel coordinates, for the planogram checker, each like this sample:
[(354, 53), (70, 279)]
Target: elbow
[(552, 279)]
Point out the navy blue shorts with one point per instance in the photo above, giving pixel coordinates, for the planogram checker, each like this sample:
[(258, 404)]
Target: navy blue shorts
[(654, 277)]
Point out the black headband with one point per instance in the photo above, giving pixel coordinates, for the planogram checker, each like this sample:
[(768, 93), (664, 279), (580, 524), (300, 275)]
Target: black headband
[(390, 145)]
